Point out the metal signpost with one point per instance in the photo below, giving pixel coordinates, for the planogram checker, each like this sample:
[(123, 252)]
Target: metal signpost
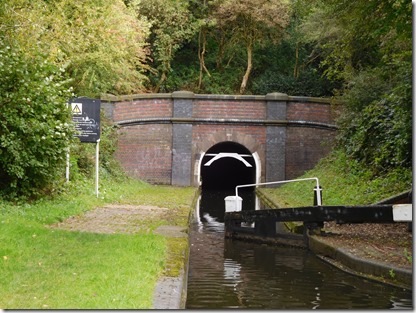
[(86, 116)]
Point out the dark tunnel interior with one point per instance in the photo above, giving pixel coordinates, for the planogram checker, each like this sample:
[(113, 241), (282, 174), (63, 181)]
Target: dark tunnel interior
[(227, 172)]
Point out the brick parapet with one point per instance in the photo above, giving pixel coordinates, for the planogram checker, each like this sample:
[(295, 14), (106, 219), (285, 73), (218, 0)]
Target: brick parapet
[(142, 108), (307, 111), (226, 109)]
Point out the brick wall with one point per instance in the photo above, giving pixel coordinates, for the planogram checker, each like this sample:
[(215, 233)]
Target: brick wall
[(308, 111), (304, 148), (142, 108), (145, 152), (147, 123), (229, 109)]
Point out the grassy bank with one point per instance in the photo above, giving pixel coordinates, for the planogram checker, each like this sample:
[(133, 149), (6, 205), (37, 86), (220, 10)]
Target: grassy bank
[(45, 268), (343, 183)]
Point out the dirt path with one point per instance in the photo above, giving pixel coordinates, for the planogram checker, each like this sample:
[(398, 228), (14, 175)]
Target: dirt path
[(386, 243), (122, 219), (133, 219)]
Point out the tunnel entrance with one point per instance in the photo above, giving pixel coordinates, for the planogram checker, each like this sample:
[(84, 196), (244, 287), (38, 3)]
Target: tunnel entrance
[(226, 165), (223, 167)]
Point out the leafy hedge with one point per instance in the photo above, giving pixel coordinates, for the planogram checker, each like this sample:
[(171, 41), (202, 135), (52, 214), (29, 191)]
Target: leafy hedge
[(35, 128)]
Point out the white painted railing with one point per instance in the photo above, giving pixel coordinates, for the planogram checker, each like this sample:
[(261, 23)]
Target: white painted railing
[(237, 198)]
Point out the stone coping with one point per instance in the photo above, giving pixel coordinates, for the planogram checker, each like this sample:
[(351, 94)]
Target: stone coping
[(274, 96)]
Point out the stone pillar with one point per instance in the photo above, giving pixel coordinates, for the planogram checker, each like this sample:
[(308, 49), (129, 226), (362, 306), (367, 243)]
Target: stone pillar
[(108, 108), (276, 137), (182, 139)]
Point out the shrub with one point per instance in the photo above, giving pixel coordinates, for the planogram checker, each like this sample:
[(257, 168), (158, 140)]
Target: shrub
[(377, 127), (83, 154), (35, 128)]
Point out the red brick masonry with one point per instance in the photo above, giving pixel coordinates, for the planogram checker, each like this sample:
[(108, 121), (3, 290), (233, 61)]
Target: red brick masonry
[(145, 147)]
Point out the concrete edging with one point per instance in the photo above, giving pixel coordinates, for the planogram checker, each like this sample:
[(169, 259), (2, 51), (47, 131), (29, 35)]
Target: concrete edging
[(170, 292), (362, 267)]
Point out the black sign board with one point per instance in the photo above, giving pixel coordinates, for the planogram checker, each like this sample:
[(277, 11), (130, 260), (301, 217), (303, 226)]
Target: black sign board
[(86, 116)]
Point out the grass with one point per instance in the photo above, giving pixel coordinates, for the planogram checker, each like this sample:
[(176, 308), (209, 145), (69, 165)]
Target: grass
[(342, 184), (45, 268)]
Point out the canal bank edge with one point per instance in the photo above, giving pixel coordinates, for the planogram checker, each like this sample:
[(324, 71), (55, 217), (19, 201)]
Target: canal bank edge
[(170, 292), (347, 262), (366, 268)]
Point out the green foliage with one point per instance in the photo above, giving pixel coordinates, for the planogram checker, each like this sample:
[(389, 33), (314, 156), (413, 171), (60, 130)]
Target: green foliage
[(83, 154), (309, 83), (35, 128), (377, 129), (282, 61), (368, 44), (172, 25), (101, 42), (344, 182), (296, 47), (408, 256), (251, 23), (392, 273), (185, 76)]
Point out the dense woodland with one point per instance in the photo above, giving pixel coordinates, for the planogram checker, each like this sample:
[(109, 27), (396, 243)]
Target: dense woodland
[(359, 51)]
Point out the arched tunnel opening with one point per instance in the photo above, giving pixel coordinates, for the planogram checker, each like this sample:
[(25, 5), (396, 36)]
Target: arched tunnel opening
[(226, 165), (223, 167)]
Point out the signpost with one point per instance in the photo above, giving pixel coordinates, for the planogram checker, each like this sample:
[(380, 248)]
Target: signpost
[(86, 116)]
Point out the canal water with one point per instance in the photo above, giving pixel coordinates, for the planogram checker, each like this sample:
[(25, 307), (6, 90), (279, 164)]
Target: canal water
[(232, 274)]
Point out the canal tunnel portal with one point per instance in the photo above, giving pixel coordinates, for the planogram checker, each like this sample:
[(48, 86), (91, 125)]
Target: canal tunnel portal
[(226, 165), (222, 167), (163, 137)]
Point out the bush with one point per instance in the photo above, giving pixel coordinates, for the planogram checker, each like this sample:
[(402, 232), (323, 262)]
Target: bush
[(36, 127), (310, 83), (377, 127), (83, 154)]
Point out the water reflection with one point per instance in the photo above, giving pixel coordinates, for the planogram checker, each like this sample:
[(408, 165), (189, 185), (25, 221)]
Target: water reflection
[(212, 202), (234, 274)]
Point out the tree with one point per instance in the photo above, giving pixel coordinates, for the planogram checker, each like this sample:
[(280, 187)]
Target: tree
[(369, 45), (35, 128), (356, 35), (252, 22), (101, 42), (171, 26)]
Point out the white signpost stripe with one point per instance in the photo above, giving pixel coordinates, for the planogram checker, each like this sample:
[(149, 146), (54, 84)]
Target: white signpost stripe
[(402, 212)]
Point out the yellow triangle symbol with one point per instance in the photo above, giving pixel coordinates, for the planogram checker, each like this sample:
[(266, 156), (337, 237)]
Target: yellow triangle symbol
[(76, 109)]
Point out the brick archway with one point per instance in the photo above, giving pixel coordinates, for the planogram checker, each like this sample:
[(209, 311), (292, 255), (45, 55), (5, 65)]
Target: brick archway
[(256, 149)]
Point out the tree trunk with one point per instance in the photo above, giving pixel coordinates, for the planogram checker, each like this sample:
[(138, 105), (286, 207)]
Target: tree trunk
[(296, 69), (161, 80), (220, 55), (249, 67), (165, 68), (201, 55)]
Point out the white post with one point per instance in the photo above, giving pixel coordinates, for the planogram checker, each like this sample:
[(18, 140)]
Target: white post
[(67, 166), (233, 203), (318, 193), (97, 152)]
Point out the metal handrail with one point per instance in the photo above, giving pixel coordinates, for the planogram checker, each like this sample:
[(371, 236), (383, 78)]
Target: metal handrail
[(318, 194)]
